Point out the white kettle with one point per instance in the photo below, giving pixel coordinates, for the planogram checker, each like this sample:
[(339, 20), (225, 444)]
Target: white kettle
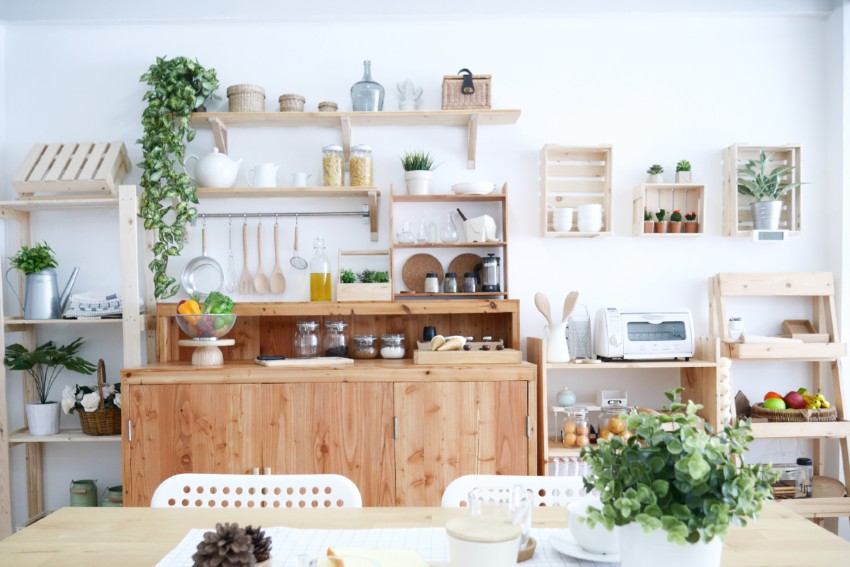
[(214, 170)]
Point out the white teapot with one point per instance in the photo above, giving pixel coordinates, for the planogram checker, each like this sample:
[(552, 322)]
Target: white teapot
[(214, 170)]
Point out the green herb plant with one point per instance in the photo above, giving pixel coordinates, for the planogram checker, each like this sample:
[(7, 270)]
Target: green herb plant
[(689, 482), (755, 181), (683, 165), (655, 169), (176, 86), (417, 161), (676, 216), (372, 276), (31, 260), (45, 363), (660, 215), (347, 276)]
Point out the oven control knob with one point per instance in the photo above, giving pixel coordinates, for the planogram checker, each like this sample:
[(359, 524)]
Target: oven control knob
[(615, 340)]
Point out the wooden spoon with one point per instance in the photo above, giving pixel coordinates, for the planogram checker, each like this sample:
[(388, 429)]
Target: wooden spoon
[(542, 303), (246, 283), (261, 282), (277, 283), (569, 304)]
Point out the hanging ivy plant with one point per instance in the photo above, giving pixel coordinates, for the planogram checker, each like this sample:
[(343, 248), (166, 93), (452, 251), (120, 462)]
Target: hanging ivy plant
[(177, 86)]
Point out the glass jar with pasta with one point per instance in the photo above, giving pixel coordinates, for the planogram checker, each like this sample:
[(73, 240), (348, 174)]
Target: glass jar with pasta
[(332, 166), (360, 166)]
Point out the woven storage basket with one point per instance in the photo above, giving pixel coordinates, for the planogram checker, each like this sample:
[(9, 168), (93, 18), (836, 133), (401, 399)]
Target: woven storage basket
[(455, 99), (102, 421), (246, 98), (291, 103), (790, 415)]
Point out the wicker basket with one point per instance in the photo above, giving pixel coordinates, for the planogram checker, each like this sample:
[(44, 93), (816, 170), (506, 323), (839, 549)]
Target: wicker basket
[(246, 98), (454, 97), (102, 421), (791, 415), (291, 103), (328, 106)]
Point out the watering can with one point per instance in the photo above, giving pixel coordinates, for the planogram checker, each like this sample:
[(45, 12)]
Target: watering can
[(41, 294)]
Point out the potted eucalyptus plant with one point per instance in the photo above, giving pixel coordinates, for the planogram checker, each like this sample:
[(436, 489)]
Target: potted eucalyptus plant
[(766, 188), (674, 487), (683, 171), (176, 87), (418, 170), (43, 365)]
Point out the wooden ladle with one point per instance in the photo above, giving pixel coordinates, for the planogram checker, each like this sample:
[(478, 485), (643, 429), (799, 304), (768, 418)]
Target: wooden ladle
[(542, 303), (569, 304)]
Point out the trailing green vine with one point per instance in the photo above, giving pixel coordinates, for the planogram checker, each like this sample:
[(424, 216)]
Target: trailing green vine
[(176, 86)]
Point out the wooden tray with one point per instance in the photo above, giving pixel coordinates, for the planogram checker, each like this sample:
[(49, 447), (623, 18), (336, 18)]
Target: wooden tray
[(462, 264), (505, 356), (804, 330), (320, 361), (414, 270)]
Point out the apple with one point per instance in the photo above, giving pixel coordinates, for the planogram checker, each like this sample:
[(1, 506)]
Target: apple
[(772, 394), (794, 400), (802, 391), (774, 403)]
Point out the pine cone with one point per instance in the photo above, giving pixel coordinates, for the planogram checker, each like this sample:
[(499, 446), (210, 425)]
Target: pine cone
[(227, 546), (262, 544)]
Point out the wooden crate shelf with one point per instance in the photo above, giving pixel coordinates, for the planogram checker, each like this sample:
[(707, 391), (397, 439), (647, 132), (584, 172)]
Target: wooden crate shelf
[(801, 430), (685, 197), (779, 351), (571, 176), (737, 219)]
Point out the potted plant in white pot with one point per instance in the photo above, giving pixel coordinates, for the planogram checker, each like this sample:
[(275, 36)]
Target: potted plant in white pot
[(675, 493), (655, 174), (43, 365), (766, 188), (418, 170), (683, 171)]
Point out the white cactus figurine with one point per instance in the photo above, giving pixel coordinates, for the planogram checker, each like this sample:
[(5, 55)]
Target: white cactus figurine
[(408, 95)]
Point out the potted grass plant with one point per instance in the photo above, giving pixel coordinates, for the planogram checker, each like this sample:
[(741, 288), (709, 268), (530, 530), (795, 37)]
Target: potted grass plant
[(674, 486), (418, 170), (766, 187)]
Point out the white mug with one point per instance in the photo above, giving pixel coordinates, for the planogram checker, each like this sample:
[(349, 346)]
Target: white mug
[(299, 178), (264, 175)]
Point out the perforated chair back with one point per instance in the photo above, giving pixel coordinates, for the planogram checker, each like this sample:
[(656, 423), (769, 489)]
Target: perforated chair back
[(548, 490), (257, 491)]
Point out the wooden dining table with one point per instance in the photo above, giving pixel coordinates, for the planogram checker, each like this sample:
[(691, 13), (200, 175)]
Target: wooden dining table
[(129, 537)]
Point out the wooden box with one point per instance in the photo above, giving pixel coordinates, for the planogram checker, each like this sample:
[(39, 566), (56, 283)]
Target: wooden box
[(364, 291), (73, 170), (684, 197), (455, 99)]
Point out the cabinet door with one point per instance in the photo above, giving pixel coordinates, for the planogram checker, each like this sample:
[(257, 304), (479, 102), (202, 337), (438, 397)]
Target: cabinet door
[(449, 429), (201, 428), (340, 428)]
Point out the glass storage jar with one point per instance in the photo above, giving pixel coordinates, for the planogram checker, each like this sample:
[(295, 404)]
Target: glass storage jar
[(360, 166), (432, 284), (612, 423), (450, 283), (364, 347), (335, 342), (392, 346), (306, 341), (469, 282), (576, 429), (332, 166)]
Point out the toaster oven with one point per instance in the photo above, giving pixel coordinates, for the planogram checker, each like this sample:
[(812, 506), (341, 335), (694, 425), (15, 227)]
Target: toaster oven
[(644, 335)]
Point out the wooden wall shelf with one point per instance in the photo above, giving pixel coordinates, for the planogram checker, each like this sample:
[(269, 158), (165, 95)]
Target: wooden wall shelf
[(686, 197)]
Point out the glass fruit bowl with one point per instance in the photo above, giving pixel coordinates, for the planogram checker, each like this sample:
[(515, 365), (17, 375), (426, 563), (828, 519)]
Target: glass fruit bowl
[(206, 327)]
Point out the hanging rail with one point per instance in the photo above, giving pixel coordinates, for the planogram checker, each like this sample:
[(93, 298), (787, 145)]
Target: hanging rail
[(364, 214)]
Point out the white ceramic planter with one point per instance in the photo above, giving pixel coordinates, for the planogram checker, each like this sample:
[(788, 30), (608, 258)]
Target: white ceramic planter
[(683, 177), (641, 549), (657, 178), (418, 182), (43, 419)]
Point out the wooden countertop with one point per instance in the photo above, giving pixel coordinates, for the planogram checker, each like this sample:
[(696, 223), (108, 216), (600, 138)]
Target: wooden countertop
[(378, 370)]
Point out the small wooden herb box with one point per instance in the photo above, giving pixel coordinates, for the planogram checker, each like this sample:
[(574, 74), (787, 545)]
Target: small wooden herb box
[(365, 291)]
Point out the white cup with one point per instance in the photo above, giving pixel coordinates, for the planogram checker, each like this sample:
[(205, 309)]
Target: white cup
[(596, 539), (299, 178), (585, 225), (264, 175), (590, 211), (482, 541)]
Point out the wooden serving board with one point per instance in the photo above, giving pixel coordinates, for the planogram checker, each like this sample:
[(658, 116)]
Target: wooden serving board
[(320, 361), (505, 356)]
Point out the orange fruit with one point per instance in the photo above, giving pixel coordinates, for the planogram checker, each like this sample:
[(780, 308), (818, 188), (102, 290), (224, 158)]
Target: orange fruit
[(616, 425), (582, 440), (769, 395), (604, 434), (569, 427), (569, 439), (581, 429)]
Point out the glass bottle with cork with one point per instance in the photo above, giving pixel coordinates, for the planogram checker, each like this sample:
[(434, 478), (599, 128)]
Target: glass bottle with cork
[(320, 272)]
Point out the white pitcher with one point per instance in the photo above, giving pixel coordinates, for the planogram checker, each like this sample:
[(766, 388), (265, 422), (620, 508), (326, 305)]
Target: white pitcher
[(264, 175), (556, 342)]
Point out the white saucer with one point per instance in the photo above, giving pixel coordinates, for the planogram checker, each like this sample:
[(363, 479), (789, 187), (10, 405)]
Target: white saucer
[(564, 542), (474, 188)]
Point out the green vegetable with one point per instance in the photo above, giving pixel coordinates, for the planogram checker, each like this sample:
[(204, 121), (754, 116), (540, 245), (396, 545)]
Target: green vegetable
[(217, 303)]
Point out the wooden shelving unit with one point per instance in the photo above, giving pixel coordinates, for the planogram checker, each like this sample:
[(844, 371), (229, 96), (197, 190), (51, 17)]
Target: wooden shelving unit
[(685, 197)]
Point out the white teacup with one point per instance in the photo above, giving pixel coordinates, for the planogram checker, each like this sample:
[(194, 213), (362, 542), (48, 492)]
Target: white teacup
[(594, 225), (299, 178), (596, 539)]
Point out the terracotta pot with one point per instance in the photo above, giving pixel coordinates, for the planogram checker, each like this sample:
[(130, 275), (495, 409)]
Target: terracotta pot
[(648, 227), (660, 227), (692, 227), (674, 227)]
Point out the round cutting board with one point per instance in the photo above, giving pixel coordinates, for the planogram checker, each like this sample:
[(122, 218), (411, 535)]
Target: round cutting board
[(417, 266), (462, 264)]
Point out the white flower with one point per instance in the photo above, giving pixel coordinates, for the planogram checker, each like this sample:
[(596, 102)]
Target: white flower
[(90, 402), (117, 399), (68, 399)]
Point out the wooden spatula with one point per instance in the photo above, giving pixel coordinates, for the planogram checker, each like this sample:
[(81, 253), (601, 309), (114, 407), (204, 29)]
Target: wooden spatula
[(569, 304), (542, 303)]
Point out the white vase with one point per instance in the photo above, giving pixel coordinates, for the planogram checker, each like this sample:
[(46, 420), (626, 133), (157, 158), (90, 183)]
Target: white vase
[(43, 419), (556, 342), (641, 549), (418, 182)]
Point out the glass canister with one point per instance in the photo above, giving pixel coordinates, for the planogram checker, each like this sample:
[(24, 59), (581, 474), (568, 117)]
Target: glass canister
[(576, 429), (470, 284), (612, 423), (392, 346), (332, 166), (364, 347), (334, 341), (432, 284), (360, 166), (306, 341), (450, 283)]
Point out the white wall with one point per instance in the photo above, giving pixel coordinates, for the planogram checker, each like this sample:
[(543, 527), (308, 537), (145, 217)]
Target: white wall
[(659, 88)]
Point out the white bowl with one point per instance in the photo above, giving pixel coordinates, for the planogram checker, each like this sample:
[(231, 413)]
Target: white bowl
[(474, 188), (596, 539)]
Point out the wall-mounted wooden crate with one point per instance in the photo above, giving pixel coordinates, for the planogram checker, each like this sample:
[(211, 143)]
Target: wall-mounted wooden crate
[(571, 176), (737, 219), (685, 197), (365, 291), (74, 170)]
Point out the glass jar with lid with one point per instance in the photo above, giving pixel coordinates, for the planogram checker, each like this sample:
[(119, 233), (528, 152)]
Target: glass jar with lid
[(332, 175), (364, 347), (450, 283), (360, 166), (576, 429), (334, 341), (392, 346), (306, 340), (612, 423)]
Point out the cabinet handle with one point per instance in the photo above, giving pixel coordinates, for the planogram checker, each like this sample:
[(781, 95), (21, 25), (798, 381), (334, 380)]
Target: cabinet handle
[(267, 470), (129, 431), (528, 426), (395, 427)]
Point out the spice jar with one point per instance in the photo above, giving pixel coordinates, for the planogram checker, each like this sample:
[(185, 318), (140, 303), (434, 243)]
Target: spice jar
[(450, 283), (432, 284), (469, 282), (360, 166), (804, 485), (364, 347), (576, 430), (306, 340), (334, 342), (612, 423), (332, 166), (392, 346)]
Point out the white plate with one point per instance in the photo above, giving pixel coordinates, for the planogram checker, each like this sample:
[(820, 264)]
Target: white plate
[(474, 188), (564, 542)]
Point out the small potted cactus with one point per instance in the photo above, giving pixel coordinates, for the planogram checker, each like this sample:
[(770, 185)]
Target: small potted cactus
[(655, 174), (691, 224), (648, 225), (675, 224), (660, 223), (683, 171)]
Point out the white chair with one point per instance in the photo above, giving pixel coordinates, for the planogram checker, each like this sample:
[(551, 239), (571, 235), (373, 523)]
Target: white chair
[(257, 491), (548, 490)]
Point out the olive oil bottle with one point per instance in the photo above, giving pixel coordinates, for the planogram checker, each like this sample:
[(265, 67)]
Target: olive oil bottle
[(320, 272)]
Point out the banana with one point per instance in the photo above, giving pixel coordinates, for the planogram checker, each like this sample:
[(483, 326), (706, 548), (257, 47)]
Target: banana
[(825, 404)]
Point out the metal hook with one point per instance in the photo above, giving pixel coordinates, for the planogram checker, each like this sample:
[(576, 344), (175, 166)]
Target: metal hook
[(275, 219), (245, 218), (204, 220), (229, 220)]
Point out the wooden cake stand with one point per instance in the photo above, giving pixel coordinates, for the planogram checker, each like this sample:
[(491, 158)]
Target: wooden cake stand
[(207, 353)]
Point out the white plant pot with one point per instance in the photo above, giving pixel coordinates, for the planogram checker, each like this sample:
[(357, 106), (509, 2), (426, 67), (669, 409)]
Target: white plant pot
[(418, 182), (683, 177), (641, 549), (43, 419), (657, 178)]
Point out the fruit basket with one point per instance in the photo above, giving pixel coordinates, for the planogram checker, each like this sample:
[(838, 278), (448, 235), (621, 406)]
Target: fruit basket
[(206, 327), (791, 415)]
